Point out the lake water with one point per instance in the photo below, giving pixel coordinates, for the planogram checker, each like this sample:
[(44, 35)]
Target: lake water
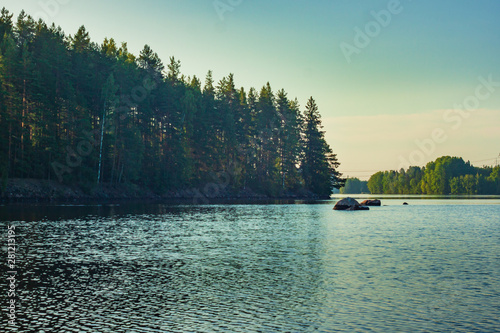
[(431, 266)]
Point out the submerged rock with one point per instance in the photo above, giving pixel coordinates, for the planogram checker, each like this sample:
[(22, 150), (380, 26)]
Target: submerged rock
[(371, 202), (349, 204)]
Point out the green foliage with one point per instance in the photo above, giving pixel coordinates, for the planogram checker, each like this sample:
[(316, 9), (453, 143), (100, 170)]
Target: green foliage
[(354, 186), (446, 175), (160, 129), (437, 176), (319, 163), (80, 43), (494, 180)]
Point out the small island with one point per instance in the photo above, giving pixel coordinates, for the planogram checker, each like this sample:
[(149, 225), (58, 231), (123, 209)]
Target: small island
[(103, 122)]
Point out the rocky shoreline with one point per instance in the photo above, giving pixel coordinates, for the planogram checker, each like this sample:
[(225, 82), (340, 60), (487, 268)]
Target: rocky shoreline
[(35, 190)]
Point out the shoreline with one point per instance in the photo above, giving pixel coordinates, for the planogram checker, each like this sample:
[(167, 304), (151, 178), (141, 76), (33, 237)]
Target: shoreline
[(50, 191)]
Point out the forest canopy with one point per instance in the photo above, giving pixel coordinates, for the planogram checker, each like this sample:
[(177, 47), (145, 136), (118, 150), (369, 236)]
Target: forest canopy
[(85, 113), (446, 175), (355, 186)]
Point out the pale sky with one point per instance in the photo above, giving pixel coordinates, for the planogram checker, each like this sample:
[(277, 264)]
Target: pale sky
[(397, 82)]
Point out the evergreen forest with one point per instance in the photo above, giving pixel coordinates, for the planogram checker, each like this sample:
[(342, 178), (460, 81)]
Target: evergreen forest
[(86, 114)]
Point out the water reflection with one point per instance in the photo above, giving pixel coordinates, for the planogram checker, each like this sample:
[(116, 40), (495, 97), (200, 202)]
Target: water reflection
[(249, 268)]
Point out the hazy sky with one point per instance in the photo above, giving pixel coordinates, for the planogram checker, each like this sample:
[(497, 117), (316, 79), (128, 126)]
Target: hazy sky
[(397, 82)]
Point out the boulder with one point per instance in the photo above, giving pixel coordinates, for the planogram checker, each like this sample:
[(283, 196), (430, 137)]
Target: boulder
[(349, 204), (371, 202)]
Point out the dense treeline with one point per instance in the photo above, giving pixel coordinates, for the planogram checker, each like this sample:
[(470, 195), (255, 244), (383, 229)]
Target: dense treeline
[(446, 175), (84, 113), (354, 186)]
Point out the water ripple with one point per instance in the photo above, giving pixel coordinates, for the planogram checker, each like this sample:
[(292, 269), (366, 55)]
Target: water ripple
[(261, 268)]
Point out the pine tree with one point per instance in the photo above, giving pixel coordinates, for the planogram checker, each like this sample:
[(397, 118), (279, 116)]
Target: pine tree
[(268, 124), (5, 27), (319, 164), (150, 61), (289, 140), (81, 41)]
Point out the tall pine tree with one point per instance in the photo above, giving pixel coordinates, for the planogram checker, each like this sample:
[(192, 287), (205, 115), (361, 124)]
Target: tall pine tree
[(319, 164)]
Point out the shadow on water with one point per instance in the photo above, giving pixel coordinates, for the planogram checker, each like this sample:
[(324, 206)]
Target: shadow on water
[(30, 212), (46, 211)]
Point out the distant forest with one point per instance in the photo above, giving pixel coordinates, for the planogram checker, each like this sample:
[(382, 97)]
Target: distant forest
[(355, 186), (446, 175), (84, 113)]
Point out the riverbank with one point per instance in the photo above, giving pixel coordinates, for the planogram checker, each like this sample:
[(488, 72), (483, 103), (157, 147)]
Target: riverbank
[(35, 190)]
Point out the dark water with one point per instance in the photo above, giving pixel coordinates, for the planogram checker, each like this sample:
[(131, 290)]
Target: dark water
[(432, 266)]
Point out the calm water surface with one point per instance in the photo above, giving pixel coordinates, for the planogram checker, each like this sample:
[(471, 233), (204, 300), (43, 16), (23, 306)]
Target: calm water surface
[(432, 266)]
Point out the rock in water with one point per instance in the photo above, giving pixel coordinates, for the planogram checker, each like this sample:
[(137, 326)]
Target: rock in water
[(371, 202), (349, 204)]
